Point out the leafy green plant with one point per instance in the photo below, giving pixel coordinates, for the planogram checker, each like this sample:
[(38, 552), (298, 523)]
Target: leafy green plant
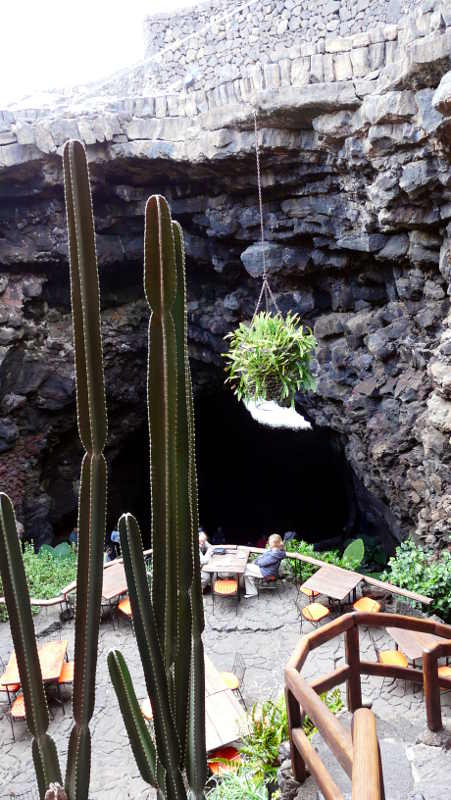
[(238, 785), (269, 359), (422, 571), (333, 702), (352, 557), (267, 726), (354, 554)]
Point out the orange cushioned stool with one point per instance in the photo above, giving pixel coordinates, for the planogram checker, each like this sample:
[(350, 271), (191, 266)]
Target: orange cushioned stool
[(227, 588), (314, 613), (444, 672), (367, 605), (230, 754), (125, 608)]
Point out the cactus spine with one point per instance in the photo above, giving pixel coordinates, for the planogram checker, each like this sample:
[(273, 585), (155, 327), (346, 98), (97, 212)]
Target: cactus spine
[(169, 621), (92, 427)]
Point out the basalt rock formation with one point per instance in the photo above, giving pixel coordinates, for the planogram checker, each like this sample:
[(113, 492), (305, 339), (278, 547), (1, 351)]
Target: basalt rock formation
[(356, 152)]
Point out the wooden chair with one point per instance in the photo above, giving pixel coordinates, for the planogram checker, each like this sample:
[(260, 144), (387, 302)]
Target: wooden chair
[(444, 672), (314, 613), (367, 605), (226, 588), (391, 658), (230, 760), (7, 692), (234, 680), (272, 582), (124, 607)]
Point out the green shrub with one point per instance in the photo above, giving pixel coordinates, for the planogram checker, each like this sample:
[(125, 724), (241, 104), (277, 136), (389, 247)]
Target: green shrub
[(268, 728), (239, 785), (352, 557), (269, 359), (47, 571), (421, 571)]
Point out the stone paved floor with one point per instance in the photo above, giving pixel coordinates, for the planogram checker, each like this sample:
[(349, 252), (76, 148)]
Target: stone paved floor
[(265, 631)]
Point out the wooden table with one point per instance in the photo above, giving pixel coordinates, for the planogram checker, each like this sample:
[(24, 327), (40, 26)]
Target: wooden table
[(412, 643), (114, 581), (225, 719), (234, 560), (51, 658), (333, 582)]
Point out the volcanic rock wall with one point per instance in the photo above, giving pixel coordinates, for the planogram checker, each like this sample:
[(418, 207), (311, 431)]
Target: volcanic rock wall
[(357, 199)]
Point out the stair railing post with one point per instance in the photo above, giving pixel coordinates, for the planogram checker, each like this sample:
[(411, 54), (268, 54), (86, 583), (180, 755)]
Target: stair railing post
[(432, 691), (295, 721), (352, 655)]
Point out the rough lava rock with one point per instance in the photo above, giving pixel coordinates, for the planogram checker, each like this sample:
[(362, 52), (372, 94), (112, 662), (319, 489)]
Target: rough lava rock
[(356, 173)]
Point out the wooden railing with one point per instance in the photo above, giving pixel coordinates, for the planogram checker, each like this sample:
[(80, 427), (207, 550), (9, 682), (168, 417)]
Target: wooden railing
[(359, 757)]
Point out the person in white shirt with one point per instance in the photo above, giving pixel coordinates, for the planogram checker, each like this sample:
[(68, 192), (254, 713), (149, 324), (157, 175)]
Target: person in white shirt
[(205, 553)]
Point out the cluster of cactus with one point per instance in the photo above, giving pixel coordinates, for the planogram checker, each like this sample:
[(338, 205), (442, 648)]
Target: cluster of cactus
[(168, 620), (92, 428)]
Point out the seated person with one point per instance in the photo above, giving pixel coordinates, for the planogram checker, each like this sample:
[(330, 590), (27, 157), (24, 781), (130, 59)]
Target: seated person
[(205, 553), (73, 537), (264, 566)]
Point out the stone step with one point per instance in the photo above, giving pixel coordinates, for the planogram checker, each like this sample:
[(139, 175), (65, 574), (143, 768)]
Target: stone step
[(411, 771)]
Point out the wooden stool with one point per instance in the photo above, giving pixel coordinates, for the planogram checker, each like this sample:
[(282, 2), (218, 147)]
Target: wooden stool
[(314, 613)]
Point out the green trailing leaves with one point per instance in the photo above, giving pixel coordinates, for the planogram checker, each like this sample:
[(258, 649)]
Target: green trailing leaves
[(270, 358)]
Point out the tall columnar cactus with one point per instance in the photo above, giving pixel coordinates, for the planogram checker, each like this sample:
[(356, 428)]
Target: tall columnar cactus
[(168, 621), (92, 427)]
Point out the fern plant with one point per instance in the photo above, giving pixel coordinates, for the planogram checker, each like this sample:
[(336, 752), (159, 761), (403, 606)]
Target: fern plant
[(270, 358)]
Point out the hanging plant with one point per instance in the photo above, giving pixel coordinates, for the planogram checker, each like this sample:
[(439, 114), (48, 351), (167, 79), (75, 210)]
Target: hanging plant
[(269, 359)]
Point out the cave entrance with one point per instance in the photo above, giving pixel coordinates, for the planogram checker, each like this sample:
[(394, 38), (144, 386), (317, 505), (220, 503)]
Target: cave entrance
[(253, 480)]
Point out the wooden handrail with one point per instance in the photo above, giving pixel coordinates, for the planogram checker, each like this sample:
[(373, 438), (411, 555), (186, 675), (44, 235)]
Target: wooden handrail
[(338, 739), (367, 782), (389, 587), (361, 760), (316, 767)]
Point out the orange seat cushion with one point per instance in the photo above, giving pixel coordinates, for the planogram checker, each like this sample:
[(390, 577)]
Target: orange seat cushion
[(309, 592), (230, 754), (146, 709), (67, 673), (223, 586), (444, 672), (12, 688), (315, 612), (230, 680), (125, 607), (18, 707), (367, 604), (394, 658)]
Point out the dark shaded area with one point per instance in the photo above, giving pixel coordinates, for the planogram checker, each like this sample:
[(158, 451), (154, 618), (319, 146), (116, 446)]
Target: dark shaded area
[(253, 480)]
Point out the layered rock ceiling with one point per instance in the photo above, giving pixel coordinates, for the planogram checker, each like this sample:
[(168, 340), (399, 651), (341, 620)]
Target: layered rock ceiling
[(356, 155)]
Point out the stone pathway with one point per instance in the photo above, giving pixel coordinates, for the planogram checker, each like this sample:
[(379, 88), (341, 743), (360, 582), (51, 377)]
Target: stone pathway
[(265, 631)]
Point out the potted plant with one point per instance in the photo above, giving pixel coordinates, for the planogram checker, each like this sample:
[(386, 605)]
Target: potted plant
[(270, 358)]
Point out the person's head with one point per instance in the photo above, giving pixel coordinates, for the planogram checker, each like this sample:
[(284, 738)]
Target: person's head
[(275, 541), (203, 538)]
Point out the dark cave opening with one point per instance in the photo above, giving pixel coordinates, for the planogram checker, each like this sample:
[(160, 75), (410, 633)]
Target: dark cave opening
[(253, 480)]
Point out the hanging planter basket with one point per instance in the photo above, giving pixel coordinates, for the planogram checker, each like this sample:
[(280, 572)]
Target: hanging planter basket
[(269, 359)]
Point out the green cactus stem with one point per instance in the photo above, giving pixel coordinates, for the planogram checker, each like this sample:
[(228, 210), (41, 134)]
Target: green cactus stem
[(168, 621), (92, 426)]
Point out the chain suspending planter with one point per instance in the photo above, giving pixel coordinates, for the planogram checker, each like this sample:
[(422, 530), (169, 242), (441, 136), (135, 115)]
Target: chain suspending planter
[(269, 358)]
